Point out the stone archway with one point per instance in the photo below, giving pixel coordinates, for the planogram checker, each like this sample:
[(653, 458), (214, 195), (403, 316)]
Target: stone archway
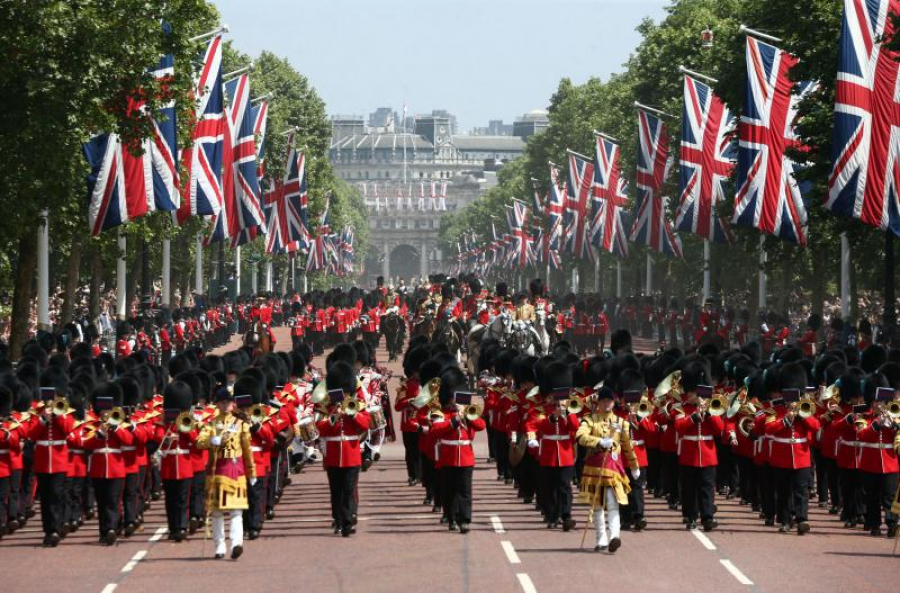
[(373, 265), (404, 262)]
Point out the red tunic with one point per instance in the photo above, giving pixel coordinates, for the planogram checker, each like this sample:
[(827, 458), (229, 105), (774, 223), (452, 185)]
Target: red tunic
[(697, 447), (456, 443), (341, 439)]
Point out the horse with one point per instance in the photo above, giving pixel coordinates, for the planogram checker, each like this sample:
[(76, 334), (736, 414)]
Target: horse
[(257, 338), (424, 325), (498, 329), (524, 339), (394, 331), (450, 333), (543, 332)]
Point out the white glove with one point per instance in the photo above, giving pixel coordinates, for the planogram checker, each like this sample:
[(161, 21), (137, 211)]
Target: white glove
[(253, 481), (216, 441), (532, 444), (636, 473), (426, 428), (606, 443)]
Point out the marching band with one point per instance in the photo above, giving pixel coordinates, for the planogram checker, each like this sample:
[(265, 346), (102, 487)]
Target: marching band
[(773, 423)]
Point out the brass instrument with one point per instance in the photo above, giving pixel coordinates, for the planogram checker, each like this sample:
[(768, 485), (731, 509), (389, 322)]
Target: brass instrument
[(258, 414), (533, 395), (185, 422), (60, 406), (319, 394), (350, 407), (642, 409), (114, 417), (806, 407), (427, 394), (736, 402), (670, 386), (473, 412), (717, 405), (893, 410), (574, 405), (830, 393), (745, 425)]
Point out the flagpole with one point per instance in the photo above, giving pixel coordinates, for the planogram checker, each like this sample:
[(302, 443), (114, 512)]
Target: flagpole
[(706, 279), (254, 281), (596, 270), (762, 272), (237, 271), (845, 276), (293, 274), (167, 272), (121, 305), (269, 276), (650, 274), (618, 278), (198, 285), (43, 263)]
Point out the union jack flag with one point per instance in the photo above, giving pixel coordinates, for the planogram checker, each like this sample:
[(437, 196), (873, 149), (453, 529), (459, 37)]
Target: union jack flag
[(346, 251), (202, 194), (706, 162), (578, 194), (768, 197), (127, 182), (320, 246), (295, 196), (610, 194), (651, 227), (523, 244), (276, 217), (556, 204), (865, 182), (260, 119)]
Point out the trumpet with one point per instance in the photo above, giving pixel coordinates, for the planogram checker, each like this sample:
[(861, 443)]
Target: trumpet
[(472, 412), (185, 422), (574, 405)]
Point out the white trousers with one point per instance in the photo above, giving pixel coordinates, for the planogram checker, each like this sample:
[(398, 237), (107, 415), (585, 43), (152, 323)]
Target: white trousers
[(235, 533), (604, 535)]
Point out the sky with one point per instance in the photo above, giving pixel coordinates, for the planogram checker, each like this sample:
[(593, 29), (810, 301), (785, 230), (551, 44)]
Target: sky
[(478, 59)]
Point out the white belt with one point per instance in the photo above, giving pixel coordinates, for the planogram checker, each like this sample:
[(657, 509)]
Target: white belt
[(853, 444), (176, 452), (4, 451), (107, 450), (256, 449), (637, 443), (866, 445), (455, 443), (76, 451), (341, 438), (128, 448), (693, 437), (790, 441), (555, 437), (49, 443)]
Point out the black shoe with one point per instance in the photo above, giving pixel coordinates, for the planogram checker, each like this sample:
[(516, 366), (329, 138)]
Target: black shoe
[(410, 481), (219, 556), (770, 523), (366, 464), (354, 519), (464, 528), (453, 526), (236, 552), (155, 495), (12, 526), (875, 532), (640, 524), (614, 544), (892, 531), (54, 539), (785, 528), (499, 478), (428, 501), (551, 524), (802, 527), (599, 548), (345, 532), (30, 512), (710, 524), (691, 525), (507, 481), (823, 504), (849, 524), (270, 514), (110, 537), (130, 529), (252, 534), (336, 527), (569, 524), (193, 524), (435, 508)]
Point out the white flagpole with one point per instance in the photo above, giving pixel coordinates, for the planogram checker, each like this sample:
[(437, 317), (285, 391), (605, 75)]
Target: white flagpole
[(198, 288), (121, 305), (650, 274), (167, 272), (43, 262), (762, 272), (596, 270), (618, 278), (269, 276), (254, 282), (706, 279), (237, 270), (845, 276)]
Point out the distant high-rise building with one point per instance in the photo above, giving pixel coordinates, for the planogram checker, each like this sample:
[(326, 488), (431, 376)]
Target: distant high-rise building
[(531, 123), (384, 117)]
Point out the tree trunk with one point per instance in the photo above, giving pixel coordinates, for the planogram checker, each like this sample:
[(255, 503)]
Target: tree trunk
[(73, 269), (24, 289), (96, 281)]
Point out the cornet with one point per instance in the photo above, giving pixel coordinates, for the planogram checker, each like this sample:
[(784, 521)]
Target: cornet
[(114, 417), (60, 406), (642, 409), (472, 412), (185, 422), (806, 407), (258, 414), (574, 405), (717, 405), (350, 407)]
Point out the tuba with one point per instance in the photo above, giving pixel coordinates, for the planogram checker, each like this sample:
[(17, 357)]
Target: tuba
[(745, 425), (427, 394)]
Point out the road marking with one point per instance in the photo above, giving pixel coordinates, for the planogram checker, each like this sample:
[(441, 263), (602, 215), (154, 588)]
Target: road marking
[(109, 588), (526, 583), (510, 552), (735, 572), (158, 535), (707, 543), (498, 526), (134, 560)]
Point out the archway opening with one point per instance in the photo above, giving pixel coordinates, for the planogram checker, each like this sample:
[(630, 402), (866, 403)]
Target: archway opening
[(405, 263)]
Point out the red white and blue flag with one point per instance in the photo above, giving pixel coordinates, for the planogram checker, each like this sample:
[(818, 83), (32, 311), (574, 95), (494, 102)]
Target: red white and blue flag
[(320, 247), (260, 119), (865, 180), (523, 243), (706, 162), (202, 190), (651, 228), (610, 194), (769, 197), (578, 196), (556, 205)]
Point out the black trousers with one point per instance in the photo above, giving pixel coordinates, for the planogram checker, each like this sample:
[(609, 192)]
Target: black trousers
[(832, 479), (654, 470), (109, 494), (144, 482), (792, 488), (528, 475), (342, 484), (821, 476), (77, 498), (52, 491), (851, 494), (880, 490), (492, 451), (256, 498), (4, 496), (726, 472), (635, 508), (131, 499), (198, 495), (767, 492), (178, 494), (747, 475), (411, 447), (670, 475), (557, 487), (501, 452), (14, 509), (457, 489), (429, 479), (698, 489)]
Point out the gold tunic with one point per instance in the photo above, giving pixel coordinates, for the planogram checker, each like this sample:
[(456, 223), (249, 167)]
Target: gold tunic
[(525, 312), (594, 477), (226, 490)]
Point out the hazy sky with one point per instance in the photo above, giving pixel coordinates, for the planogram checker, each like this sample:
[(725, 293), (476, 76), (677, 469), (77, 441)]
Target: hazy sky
[(479, 59)]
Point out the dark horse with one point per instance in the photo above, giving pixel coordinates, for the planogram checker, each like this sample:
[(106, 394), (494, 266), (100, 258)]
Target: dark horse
[(394, 331), (257, 338), (450, 333)]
